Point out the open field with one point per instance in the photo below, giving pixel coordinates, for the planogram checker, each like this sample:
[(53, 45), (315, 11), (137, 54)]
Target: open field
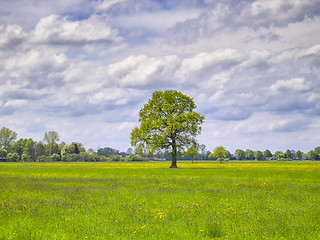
[(258, 200)]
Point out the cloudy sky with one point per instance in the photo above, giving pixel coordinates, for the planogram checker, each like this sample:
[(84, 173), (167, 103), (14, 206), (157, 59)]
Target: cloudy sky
[(84, 68)]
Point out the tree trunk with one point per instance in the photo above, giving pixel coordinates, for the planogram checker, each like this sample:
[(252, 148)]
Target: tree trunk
[(174, 154), (174, 161)]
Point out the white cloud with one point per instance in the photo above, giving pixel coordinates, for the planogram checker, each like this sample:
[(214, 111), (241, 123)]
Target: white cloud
[(156, 21), (16, 103), (264, 123), (115, 96), (141, 70), (11, 35), (103, 5), (205, 60), (314, 50), (296, 84), (56, 29), (279, 12)]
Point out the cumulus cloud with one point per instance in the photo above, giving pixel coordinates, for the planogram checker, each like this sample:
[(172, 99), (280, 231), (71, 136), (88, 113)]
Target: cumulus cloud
[(56, 29), (295, 84), (11, 36), (266, 12), (137, 71)]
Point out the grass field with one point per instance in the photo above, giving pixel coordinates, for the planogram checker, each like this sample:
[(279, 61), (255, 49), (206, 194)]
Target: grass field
[(258, 200)]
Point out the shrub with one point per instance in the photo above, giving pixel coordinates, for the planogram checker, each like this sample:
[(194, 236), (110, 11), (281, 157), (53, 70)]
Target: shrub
[(25, 157), (3, 153), (55, 157), (13, 157), (115, 158), (135, 157), (284, 159), (43, 158)]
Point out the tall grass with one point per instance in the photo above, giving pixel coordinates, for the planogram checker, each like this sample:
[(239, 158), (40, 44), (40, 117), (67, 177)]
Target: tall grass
[(151, 201)]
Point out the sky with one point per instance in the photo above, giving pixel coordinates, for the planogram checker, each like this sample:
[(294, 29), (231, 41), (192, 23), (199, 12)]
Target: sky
[(84, 68)]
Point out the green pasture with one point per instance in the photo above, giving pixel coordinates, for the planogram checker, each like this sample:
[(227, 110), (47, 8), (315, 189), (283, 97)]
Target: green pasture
[(257, 200)]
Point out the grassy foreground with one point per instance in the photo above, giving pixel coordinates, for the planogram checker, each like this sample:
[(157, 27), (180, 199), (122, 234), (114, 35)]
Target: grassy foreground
[(257, 200)]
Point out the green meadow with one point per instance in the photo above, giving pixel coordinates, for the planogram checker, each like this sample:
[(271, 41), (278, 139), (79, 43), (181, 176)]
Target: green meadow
[(207, 200)]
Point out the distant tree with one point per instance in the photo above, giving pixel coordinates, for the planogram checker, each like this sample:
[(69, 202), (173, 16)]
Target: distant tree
[(30, 149), (220, 153), (65, 151), (202, 151), (258, 155), (249, 154), (40, 149), (3, 154), (278, 154), (267, 154), (19, 146), (298, 155), (168, 122), (288, 154), (311, 155), (208, 155), (317, 153), (61, 146), (135, 157), (25, 158), (13, 157), (75, 148), (7, 138), (240, 155), (229, 155), (55, 157), (304, 156), (87, 157), (91, 150), (115, 158), (192, 152), (107, 151), (73, 158), (92, 157), (51, 138), (130, 151)]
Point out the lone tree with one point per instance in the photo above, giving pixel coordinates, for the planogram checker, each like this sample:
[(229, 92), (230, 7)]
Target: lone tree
[(220, 153), (167, 122), (192, 152)]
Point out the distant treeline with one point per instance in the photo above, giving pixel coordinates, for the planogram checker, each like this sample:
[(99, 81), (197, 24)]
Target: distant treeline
[(248, 154), (49, 150)]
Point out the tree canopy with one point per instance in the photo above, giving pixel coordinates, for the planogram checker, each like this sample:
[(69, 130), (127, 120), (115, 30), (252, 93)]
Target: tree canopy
[(167, 122), (192, 152), (51, 138), (220, 153), (239, 153), (7, 138)]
